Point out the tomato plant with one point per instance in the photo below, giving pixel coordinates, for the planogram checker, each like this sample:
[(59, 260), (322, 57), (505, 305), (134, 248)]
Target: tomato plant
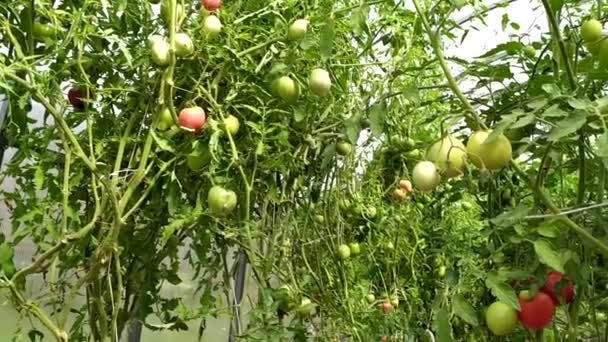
[(309, 155)]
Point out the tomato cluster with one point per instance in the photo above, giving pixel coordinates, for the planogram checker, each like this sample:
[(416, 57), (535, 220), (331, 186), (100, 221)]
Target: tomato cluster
[(537, 309)]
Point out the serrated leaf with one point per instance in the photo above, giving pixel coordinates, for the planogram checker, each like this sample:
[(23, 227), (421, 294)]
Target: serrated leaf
[(501, 290), (548, 255), (567, 126), (510, 47), (39, 177), (376, 118), (442, 326), (464, 310)]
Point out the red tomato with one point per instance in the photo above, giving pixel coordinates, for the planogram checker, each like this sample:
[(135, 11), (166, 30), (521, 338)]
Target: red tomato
[(211, 5), (386, 306), (565, 289), (406, 185), (192, 118), (75, 96), (536, 313)]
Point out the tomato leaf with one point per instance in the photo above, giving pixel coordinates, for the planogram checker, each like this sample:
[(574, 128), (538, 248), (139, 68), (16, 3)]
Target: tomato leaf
[(442, 326), (326, 41), (163, 144), (548, 255), (39, 177), (464, 310), (376, 118), (548, 229), (567, 126), (501, 290)]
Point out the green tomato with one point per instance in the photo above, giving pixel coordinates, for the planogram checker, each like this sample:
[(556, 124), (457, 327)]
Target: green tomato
[(460, 3), (591, 30), (425, 176), (212, 26), (526, 295), (370, 213), (297, 30), (370, 298), (221, 201), (355, 248), (494, 155), (344, 204), (344, 252), (501, 319), (343, 148), (409, 144), (420, 206), (395, 301), (287, 89), (594, 47), (160, 53), (183, 45), (320, 219), (166, 120), (306, 308), (319, 82), (232, 125), (466, 205), (603, 54), (413, 154), (449, 154), (43, 30), (530, 51), (441, 271)]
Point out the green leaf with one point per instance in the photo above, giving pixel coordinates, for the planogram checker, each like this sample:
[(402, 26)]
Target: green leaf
[(548, 229), (583, 104), (6, 253), (548, 255), (442, 326), (510, 47), (524, 121), (601, 147), (552, 89), (39, 177), (567, 126), (464, 310), (376, 118), (163, 144), (501, 290), (554, 112), (352, 129), (326, 41)]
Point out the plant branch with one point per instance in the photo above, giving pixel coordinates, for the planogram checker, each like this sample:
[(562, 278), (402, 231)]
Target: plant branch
[(436, 44), (546, 200)]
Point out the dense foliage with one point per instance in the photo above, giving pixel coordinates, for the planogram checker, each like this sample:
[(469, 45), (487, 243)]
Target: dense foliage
[(321, 150)]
